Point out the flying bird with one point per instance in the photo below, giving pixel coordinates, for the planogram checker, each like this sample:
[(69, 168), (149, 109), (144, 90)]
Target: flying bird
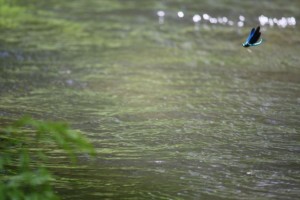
[(253, 38)]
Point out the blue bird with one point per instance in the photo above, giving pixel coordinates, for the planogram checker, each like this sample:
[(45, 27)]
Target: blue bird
[(253, 38)]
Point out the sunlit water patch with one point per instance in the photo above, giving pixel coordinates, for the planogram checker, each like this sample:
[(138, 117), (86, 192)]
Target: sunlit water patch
[(205, 18)]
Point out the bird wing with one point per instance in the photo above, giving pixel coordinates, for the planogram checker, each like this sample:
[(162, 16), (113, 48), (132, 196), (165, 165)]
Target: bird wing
[(256, 36), (250, 35)]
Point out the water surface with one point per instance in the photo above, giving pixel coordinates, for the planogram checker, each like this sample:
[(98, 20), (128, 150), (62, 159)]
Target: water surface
[(176, 110)]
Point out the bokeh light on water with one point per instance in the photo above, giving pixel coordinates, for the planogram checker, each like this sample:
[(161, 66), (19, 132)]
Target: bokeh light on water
[(282, 22)]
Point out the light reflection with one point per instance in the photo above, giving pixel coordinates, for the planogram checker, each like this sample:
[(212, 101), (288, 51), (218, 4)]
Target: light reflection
[(283, 22), (222, 20), (180, 14), (196, 18), (206, 16), (271, 22), (161, 14), (225, 20), (292, 21), (241, 18), (213, 20), (263, 20), (240, 24)]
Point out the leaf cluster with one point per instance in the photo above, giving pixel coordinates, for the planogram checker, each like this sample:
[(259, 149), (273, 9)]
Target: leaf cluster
[(22, 171)]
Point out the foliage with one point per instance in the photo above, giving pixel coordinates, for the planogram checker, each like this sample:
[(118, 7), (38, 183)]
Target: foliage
[(22, 170), (10, 14)]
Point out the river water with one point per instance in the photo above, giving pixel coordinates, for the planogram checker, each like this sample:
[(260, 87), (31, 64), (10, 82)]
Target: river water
[(176, 109)]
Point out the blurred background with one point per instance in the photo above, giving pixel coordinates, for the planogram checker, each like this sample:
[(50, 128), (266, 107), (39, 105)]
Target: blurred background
[(175, 106)]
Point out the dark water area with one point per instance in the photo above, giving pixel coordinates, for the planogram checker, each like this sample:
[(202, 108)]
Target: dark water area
[(175, 106)]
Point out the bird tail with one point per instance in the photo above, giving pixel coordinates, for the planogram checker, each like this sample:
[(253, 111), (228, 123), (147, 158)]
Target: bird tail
[(258, 43)]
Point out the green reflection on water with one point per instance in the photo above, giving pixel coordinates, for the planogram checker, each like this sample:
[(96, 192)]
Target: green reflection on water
[(174, 113)]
